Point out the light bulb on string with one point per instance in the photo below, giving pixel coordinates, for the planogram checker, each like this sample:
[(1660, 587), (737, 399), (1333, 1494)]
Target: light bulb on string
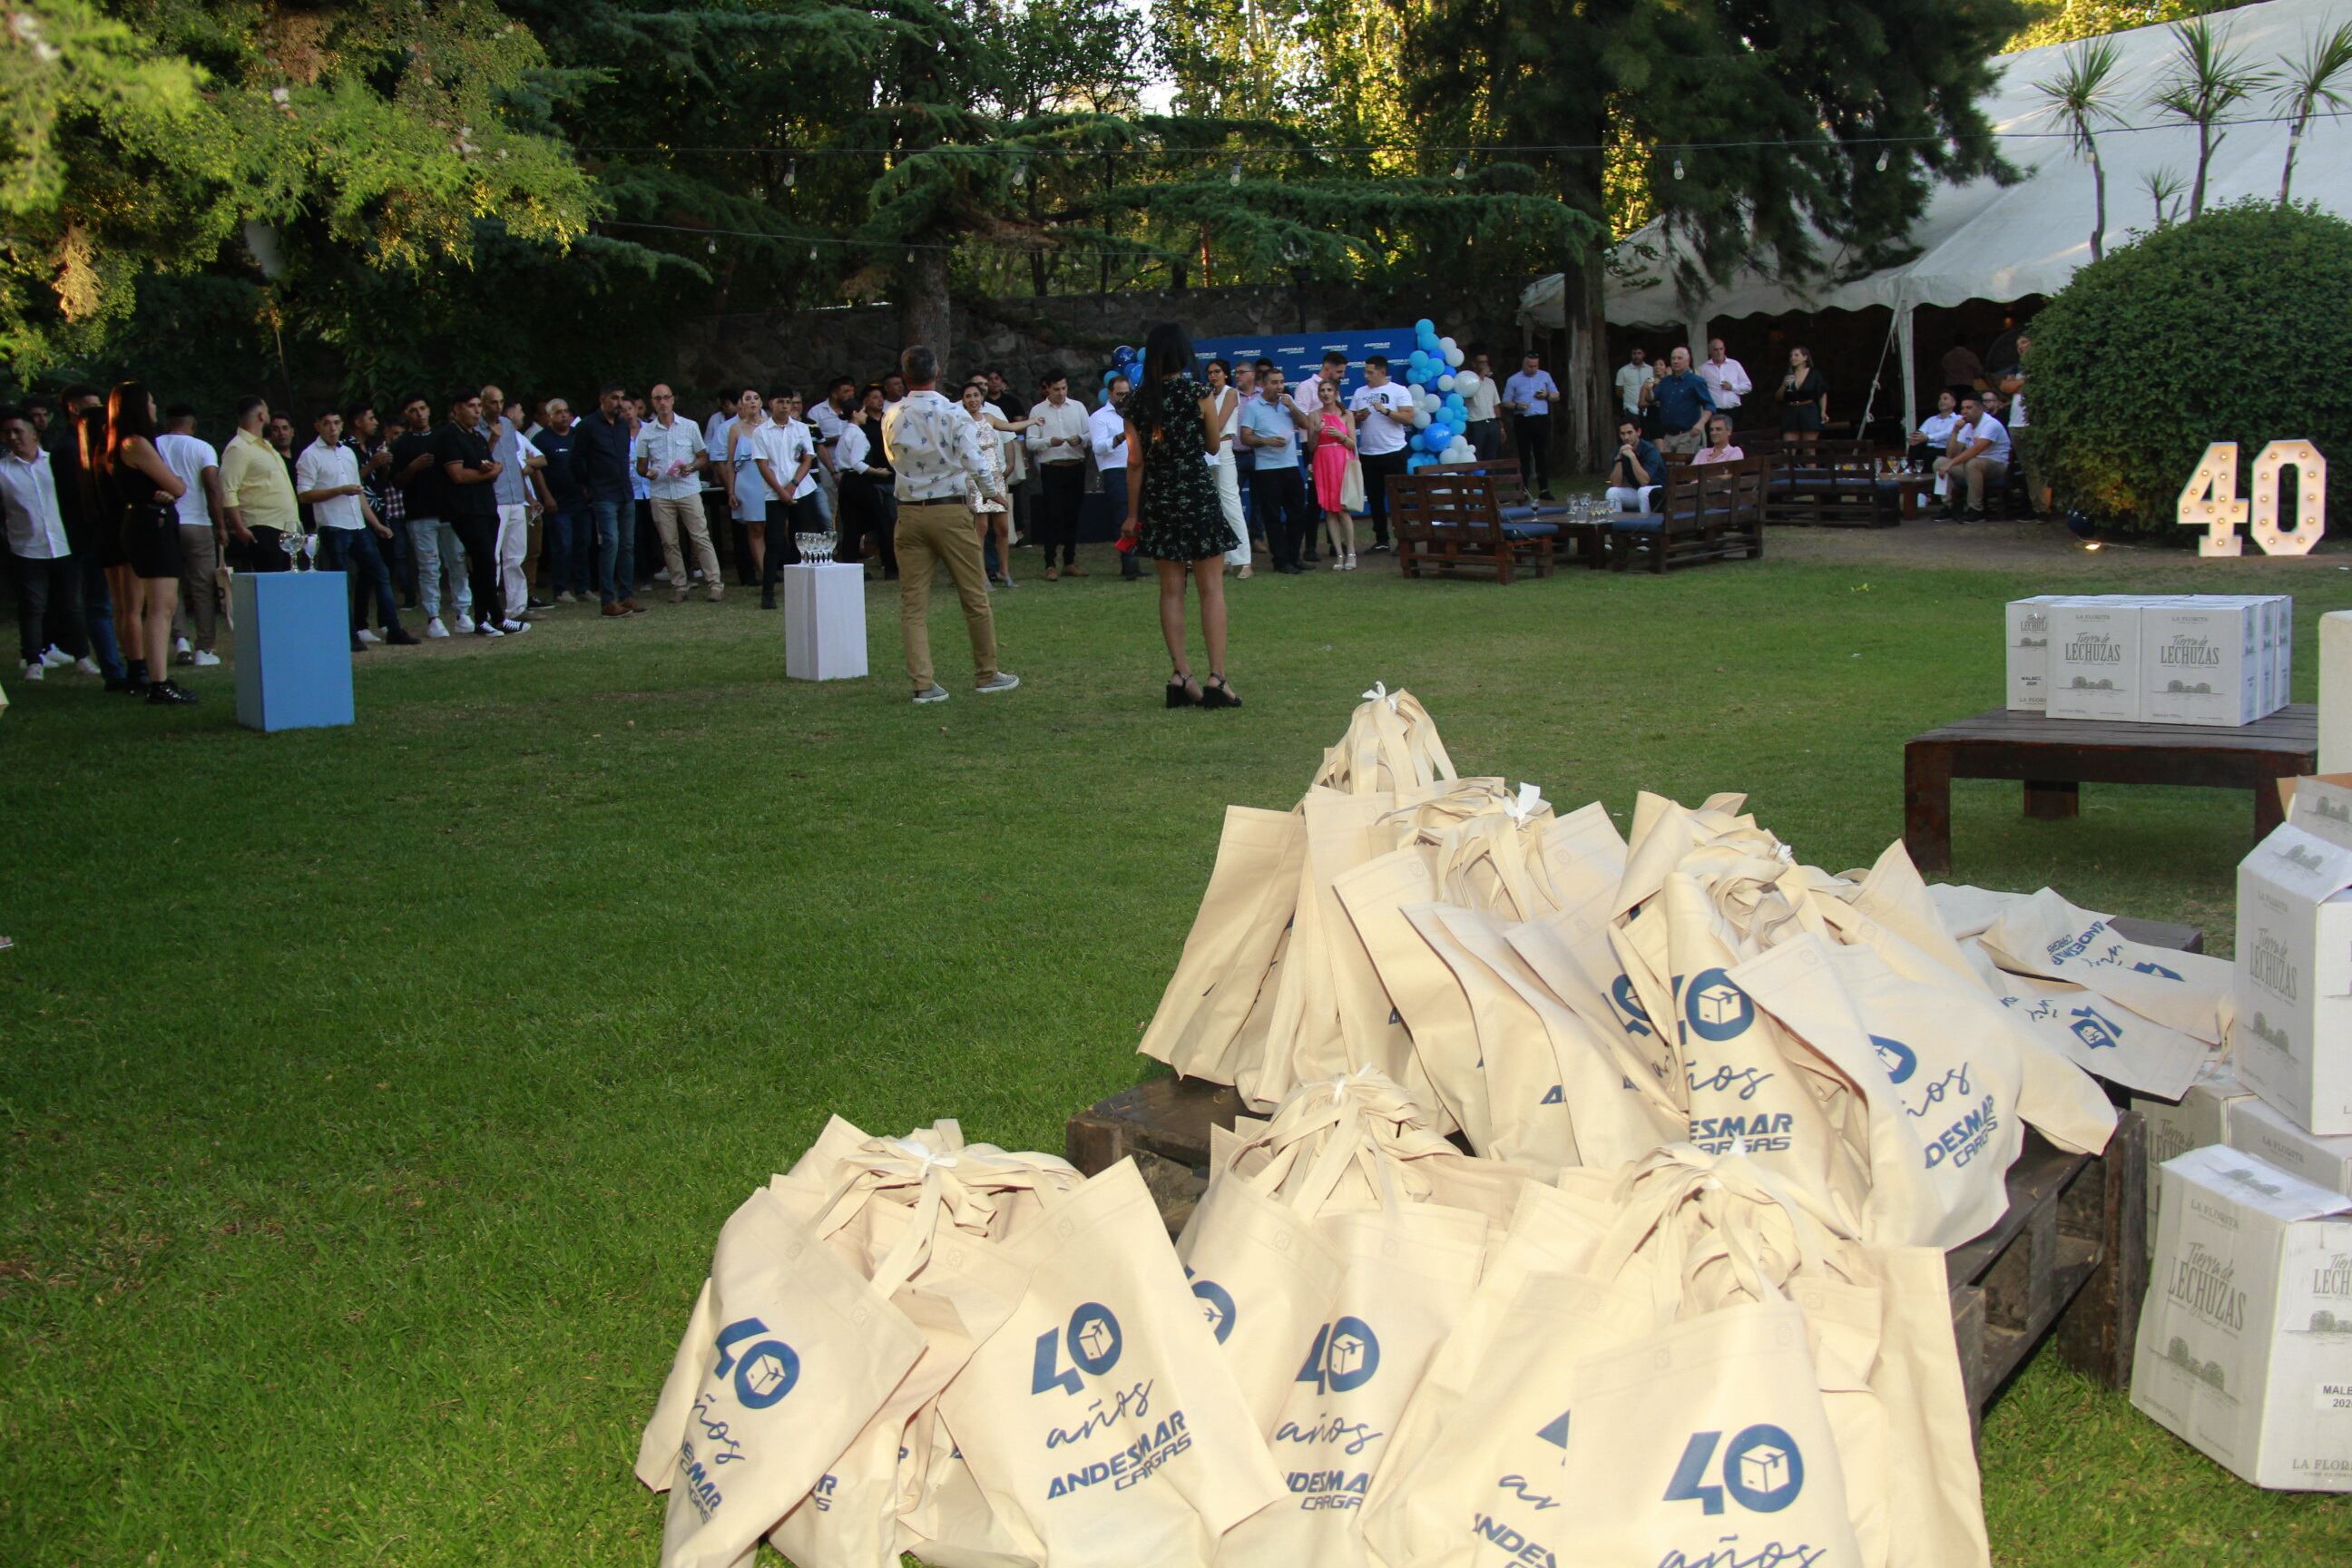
[(910, 256), (1236, 177), (714, 247), (792, 171), (1020, 173), (1461, 167), (812, 253), (1883, 160), (1678, 168)]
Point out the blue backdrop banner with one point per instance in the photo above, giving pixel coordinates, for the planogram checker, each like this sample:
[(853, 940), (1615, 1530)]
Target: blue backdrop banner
[(1301, 354)]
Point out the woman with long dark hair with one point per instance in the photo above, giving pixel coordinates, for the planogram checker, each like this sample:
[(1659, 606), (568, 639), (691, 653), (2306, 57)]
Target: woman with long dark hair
[(145, 493), (1173, 511), (1804, 399)]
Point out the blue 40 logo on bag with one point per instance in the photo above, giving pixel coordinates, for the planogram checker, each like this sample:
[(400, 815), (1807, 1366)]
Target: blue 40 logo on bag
[(1216, 1305), (1345, 1355), (763, 1374), (1761, 1469), (1715, 1009), (1095, 1343)]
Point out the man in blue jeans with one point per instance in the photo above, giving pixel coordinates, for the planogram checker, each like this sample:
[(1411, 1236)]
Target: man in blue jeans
[(600, 461)]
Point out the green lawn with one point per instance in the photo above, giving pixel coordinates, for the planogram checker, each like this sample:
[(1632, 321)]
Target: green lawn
[(372, 1096)]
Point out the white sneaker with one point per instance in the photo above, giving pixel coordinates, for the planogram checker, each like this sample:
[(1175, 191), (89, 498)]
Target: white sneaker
[(662, 576), (205, 659), (434, 628), (464, 622), (928, 694), (487, 630), (180, 646), (36, 670), (54, 657), (367, 635), (1002, 681), (511, 627), (89, 666), (566, 597)]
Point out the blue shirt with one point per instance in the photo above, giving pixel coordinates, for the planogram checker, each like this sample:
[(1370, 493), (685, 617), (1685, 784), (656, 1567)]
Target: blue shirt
[(563, 478), (1682, 401), (1644, 453), (1519, 393), (1265, 419)]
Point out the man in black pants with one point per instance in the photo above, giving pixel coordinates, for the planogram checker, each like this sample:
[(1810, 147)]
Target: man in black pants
[(470, 505), (1528, 397), (1058, 444), (1269, 425), (1383, 412)]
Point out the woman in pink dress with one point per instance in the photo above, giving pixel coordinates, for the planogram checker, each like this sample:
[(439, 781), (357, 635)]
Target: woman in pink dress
[(1335, 443)]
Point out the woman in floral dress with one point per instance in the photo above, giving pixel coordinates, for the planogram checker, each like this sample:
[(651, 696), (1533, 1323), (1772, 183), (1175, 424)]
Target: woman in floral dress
[(1173, 511)]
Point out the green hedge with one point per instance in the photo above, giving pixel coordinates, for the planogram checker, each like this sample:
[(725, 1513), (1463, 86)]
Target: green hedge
[(2235, 327)]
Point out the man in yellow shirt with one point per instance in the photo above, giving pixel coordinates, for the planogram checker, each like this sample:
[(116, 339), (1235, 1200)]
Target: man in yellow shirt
[(262, 513)]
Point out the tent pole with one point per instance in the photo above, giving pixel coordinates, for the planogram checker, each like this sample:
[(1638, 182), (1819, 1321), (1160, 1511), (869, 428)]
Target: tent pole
[(1893, 330), (1904, 336)]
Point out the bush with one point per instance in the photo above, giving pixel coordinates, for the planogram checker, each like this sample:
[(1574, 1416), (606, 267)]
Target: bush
[(2230, 328)]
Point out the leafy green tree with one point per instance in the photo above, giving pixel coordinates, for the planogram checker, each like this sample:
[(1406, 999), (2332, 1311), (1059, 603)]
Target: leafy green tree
[(2310, 80), (2083, 97), (1838, 118), (2209, 79), (2142, 317)]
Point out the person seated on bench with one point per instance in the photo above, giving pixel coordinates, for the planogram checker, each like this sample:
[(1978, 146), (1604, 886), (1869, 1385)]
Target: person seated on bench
[(1719, 447), (1978, 457), (1927, 441), (1635, 470)]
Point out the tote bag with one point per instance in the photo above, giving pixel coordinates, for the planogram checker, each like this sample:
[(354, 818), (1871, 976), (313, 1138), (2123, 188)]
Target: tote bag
[(1391, 743), (2047, 936), (1251, 897), (1101, 1415), (789, 1352)]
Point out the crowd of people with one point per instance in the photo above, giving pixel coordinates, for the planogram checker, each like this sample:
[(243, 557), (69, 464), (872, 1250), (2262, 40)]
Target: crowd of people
[(473, 513), (1670, 409)]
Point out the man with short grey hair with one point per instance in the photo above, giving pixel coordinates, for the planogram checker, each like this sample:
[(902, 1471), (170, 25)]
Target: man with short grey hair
[(935, 452), (671, 453)]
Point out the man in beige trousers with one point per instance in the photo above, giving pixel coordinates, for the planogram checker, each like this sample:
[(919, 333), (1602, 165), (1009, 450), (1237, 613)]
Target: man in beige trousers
[(671, 457), (935, 450)]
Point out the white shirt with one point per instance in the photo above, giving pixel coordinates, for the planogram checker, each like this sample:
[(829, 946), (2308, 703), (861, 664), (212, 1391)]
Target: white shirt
[(2017, 409), (1986, 429), (1938, 428), (851, 447), (1376, 436), (324, 468), (28, 493), (1108, 427), (784, 445), (1066, 423), (1479, 401), (679, 442), (189, 458), (1728, 381), (1222, 441), (934, 450), (1630, 379), (714, 442)]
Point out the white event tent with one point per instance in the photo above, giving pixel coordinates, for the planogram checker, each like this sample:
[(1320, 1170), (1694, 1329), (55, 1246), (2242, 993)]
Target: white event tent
[(1986, 241)]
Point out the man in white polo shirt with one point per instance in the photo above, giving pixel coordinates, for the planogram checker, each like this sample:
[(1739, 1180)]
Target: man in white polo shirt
[(1383, 411), (49, 577), (327, 480), (1106, 433), (1977, 456)]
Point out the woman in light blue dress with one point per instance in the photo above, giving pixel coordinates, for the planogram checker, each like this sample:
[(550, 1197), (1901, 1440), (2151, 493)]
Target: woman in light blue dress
[(747, 494)]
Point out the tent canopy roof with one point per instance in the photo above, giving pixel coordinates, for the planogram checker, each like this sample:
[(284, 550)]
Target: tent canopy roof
[(1984, 241)]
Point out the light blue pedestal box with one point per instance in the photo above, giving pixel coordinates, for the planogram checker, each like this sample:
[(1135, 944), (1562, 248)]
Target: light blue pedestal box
[(293, 649)]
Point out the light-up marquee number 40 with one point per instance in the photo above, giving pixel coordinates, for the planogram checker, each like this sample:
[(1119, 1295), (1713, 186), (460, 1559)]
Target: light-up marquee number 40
[(2209, 499)]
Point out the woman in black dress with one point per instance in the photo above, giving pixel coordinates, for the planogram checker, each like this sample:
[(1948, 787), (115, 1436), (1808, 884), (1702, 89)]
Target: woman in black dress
[(145, 489), (1804, 398), (1173, 511)]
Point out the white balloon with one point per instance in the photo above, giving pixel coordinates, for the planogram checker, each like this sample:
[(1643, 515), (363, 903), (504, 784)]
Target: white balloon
[(1429, 400), (1445, 345), (1465, 382), (1453, 355), (1421, 419), (1444, 384)]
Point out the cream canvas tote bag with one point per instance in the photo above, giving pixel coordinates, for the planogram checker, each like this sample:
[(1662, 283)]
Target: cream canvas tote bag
[(1102, 1415), (2047, 936), (1252, 895)]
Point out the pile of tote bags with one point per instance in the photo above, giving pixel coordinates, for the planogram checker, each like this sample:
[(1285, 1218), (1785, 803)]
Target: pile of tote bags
[(1594, 1217), (1564, 995)]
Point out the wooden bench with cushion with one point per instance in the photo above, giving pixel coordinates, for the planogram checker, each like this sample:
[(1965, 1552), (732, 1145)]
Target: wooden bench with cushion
[(1709, 511), (1832, 484), (1588, 541), (1453, 519)]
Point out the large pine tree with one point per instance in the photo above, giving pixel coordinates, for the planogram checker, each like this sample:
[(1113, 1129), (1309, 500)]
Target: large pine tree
[(1840, 113)]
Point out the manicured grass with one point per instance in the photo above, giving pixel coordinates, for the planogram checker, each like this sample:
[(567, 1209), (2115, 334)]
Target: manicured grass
[(373, 1097)]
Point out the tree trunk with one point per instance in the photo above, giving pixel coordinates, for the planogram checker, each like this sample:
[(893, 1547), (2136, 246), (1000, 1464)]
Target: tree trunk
[(1583, 375), (2204, 157), (923, 310), (2099, 204)]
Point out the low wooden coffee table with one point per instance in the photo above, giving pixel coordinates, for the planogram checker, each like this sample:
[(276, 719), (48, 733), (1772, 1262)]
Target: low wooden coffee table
[(2053, 758)]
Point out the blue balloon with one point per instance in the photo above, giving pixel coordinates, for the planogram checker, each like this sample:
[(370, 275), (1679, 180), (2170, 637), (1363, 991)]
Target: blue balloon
[(1453, 402), (1425, 327)]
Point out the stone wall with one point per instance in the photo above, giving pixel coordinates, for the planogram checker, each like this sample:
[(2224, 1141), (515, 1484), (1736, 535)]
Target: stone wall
[(1075, 334)]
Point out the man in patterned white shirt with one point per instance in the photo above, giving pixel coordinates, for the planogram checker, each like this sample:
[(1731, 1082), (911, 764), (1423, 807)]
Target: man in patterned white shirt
[(934, 450)]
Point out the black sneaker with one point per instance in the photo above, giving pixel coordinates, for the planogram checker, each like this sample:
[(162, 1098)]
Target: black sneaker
[(1974, 514), (358, 646), (163, 694), (1380, 548), (401, 636)]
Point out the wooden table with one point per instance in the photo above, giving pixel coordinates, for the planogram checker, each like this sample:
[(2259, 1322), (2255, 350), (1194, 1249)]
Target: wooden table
[(2053, 758)]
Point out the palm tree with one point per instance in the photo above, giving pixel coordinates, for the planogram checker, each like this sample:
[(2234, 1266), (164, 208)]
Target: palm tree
[(2081, 98), (2309, 82), (2208, 79), (2163, 187)]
